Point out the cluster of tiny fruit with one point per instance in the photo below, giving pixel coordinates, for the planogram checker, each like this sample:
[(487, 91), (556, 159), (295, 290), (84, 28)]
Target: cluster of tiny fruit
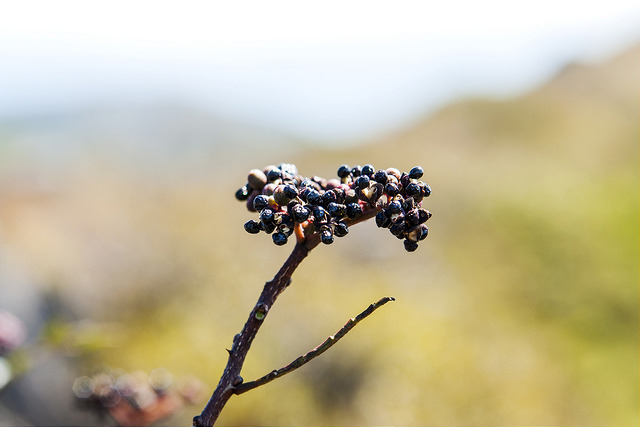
[(131, 398), (288, 202)]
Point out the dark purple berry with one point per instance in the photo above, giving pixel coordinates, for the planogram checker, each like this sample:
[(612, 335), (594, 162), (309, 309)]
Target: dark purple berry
[(326, 235), (397, 229), (279, 238), (243, 193), (416, 172), (319, 213), (328, 197), (336, 210), (362, 182), (344, 171), (340, 229), (267, 216), (391, 189), (252, 226), (424, 231), (381, 177), (393, 208), (314, 197), (290, 191), (260, 202), (274, 174), (426, 190), (368, 170), (382, 220), (300, 213), (353, 210), (423, 215), (412, 190), (356, 171), (412, 217), (267, 227), (410, 246), (408, 204)]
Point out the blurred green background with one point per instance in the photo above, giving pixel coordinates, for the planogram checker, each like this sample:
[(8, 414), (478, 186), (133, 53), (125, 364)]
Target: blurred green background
[(521, 307)]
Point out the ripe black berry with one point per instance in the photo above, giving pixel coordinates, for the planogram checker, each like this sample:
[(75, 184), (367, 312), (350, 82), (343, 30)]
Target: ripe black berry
[(412, 217), (368, 170), (274, 174), (267, 216), (423, 215), (412, 190), (344, 171), (381, 177), (260, 202), (314, 197), (353, 210), (267, 227), (356, 171), (382, 220), (326, 235), (243, 193), (319, 213), (410, 246), (362, 181), (426, 190), (397, 229), (329, 197), (340, 229), (290, 191), (416, 172), (300, 213), (394, 208), (252, 226), (391, 189), (336, 210), (279, 238)]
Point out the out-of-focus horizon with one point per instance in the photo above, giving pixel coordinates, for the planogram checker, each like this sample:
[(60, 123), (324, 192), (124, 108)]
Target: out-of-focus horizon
[(329, 73)]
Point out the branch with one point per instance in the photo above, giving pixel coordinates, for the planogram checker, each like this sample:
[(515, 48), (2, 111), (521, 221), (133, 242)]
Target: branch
[(304, 359)]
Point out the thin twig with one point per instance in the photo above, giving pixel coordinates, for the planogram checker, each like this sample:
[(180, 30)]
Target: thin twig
[(304, 359), (231, 378)]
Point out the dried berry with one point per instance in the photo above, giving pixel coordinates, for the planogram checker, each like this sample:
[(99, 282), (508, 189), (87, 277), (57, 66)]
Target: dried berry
[(256, 179)]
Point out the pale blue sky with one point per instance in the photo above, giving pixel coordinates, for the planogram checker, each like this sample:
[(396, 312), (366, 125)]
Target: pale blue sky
[(327, 70)]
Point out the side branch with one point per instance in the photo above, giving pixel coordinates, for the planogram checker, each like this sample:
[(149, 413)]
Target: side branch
[(304, 359)]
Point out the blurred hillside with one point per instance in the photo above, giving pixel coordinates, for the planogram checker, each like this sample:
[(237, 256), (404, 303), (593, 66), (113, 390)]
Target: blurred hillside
[(520, 308)]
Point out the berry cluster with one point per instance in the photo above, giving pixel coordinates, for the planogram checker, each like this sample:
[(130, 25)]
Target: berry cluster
[(289, 203), (137, 398)]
